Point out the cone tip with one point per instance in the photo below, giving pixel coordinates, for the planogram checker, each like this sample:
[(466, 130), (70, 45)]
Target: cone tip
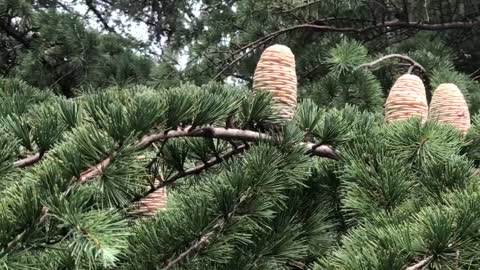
[(279, 48), (409, 77), (448, 85)]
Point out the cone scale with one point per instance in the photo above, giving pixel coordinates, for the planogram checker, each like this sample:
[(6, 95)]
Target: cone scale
[(152, 203), (406, 99), (275, 73), (449, 106)]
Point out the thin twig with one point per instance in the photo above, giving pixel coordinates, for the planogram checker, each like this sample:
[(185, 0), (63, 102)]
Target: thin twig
[(236, 60), (219, 222), (390, 56), (92, 7), (19, 237), (208, 164), (298, 7), (192, 249), (195, 170), (325, 28)]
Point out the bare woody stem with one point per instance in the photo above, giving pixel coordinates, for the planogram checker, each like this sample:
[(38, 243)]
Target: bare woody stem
[(197, 246), (421, 264), (30, 160), (355, 30), (206, 132), (412, 62)]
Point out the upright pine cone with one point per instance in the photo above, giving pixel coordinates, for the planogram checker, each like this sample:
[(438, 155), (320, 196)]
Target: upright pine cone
[(152, 203), (449, 106), (406, 99), (275, 73)]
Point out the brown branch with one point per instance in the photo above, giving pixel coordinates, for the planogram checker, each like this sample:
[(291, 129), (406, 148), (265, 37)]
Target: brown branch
[(98, 14), (236, 60), (206, 132), (209, 132), (325, 28), (208, 164), (28, 161), (219, 222), (421, 264), (298, 7), (200, 244), (23, 234), (95, 170), (390, 56), (195, 170)]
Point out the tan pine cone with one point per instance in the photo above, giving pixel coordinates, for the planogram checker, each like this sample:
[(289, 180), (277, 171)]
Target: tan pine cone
[(406, 99), (152, 203), (449, 106), (275, 73)]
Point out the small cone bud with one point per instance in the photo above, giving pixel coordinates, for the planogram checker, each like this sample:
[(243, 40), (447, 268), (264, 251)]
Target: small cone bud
[(152, 203), (275, 73), (449, 106), (406, 99)]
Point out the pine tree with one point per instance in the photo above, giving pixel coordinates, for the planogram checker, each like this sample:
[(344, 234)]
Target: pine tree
[(110, 160)]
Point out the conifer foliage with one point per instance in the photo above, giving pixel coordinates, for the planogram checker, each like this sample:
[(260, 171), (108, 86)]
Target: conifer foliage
[(335, 155)]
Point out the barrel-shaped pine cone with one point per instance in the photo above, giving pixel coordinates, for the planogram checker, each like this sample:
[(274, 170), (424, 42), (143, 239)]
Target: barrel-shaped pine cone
[(275, 73), (152, 203), (449, 106), (406, 99)]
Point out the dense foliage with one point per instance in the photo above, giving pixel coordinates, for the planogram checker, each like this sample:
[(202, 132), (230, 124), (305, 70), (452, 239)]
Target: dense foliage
[(93, 122)]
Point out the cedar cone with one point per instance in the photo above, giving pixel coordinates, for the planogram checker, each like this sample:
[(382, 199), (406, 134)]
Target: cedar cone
[(152, 203), (406, 99), (449, 106), (275, 73)]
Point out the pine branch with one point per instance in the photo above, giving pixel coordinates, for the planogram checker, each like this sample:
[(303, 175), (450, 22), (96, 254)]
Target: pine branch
[(253, 46), (211, 132), (421, 264), (10, 30), (24, 233), (208, 164), (308, 4), (390, 56), (95, 170), (92, 7), (198, 245), (327, 28), (206, 132), (30, 160), (195, 170)]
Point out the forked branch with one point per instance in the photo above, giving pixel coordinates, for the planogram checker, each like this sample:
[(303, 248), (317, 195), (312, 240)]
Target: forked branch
[(195, 170), (208, 132)]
